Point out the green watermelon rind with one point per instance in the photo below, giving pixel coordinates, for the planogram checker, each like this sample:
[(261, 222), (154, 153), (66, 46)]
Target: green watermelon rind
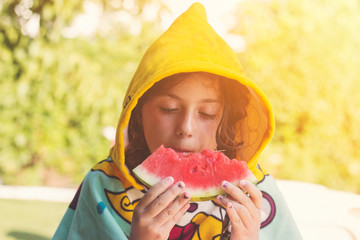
[(200, 194)]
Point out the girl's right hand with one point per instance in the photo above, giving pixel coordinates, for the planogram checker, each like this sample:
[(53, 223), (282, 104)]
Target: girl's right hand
[(159, 210)]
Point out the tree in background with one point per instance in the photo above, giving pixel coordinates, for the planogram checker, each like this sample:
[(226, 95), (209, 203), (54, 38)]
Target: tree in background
[(62, 79), (305, 55)]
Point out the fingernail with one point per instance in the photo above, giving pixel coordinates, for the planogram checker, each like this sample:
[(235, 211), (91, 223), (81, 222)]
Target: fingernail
[(180, 185), (242, 183), (220, 197), (186, 196), (225, 184), (169, 179)]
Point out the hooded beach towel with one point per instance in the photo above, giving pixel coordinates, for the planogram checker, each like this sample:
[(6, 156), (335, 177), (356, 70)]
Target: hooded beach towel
[(104, 203)]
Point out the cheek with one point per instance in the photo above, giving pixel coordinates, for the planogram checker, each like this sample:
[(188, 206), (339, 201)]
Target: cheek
[(208, 133), (156, 130), (159, 122)]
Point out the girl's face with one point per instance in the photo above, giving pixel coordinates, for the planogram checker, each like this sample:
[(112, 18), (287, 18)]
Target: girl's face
[(186, 116)]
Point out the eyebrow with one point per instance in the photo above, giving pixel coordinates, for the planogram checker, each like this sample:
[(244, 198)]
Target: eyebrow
[(206, 100)]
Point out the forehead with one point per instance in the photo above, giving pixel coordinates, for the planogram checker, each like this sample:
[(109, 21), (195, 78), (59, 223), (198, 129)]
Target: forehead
[(195, 85), (198, 80)]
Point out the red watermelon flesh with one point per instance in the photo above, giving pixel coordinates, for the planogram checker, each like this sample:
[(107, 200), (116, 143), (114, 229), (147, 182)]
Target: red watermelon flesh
[(202, 172)]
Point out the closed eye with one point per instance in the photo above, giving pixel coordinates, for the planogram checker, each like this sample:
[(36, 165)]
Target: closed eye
[(208, 116), (168, 110)]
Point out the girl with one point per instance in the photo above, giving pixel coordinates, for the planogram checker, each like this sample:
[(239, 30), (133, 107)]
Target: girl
[(189, 94)]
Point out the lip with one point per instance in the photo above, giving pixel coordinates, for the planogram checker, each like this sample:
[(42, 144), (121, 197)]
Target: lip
[(182, 151)]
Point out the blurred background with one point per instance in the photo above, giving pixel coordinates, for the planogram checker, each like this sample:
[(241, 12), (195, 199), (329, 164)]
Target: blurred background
[(65, 66)]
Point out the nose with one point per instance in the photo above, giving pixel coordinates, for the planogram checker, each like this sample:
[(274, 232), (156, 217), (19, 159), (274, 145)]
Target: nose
[(185, 126)]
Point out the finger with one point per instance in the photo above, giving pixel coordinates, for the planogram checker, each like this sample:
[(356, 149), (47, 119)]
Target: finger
[(242, 211), (155, 191), (234, 217), (164, 199), (181, 212), (169, 224), (172, 210), (255, 193), (237, 194)]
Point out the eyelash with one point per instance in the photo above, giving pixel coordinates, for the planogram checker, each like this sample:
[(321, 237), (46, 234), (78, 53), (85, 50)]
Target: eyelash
[(208, 116), (204, 115), (168, 110)]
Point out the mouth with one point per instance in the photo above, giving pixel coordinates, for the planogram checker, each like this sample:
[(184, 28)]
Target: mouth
[(183, 152)]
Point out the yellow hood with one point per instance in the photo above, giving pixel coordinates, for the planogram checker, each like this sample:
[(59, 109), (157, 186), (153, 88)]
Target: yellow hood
[(191, 45)]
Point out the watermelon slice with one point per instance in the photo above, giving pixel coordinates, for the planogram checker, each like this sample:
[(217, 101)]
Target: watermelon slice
[(202, 172)]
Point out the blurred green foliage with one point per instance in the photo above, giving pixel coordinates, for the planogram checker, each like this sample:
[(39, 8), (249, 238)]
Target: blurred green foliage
[(61, 85), (305, 56), (58, 93)]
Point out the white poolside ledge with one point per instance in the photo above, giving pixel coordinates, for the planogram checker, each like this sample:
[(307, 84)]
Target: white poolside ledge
[(320, 212), (37, 193)]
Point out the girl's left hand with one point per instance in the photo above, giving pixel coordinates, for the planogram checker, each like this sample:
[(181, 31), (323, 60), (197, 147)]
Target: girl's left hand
[(244, 211)]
